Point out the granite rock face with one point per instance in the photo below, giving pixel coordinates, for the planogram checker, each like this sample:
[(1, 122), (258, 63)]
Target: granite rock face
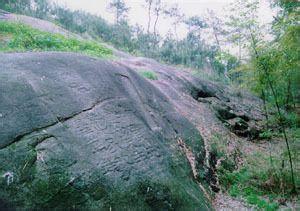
[(77, 132), (212, 107)]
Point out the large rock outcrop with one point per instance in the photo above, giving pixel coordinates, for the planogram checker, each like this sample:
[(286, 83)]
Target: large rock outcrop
[(78, 132), (212, 107)]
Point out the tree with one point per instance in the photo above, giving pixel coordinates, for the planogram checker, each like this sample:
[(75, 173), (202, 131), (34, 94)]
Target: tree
[(149, 7), (64, 16), (242, 24), (42, 8), (195, 24), (266, 62), (215, 24), (191, 50), (119, 8), (176, 17), (194, 38), (154, 7), (17, 6), (158, 9), (274, 64)]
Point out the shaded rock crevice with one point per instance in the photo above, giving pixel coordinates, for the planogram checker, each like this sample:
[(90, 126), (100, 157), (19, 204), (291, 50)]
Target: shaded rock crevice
[(193, 161), (235, 119)]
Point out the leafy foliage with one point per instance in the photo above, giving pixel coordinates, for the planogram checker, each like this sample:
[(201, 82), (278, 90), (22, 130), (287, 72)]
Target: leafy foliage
[(269, 68), (18, 6), (120, 9), (273, 68), (191, 51)]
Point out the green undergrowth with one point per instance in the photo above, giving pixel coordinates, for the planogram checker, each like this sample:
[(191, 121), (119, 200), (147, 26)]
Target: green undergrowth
[(16, 37), (264, 179), (148, 74), (212, 76)]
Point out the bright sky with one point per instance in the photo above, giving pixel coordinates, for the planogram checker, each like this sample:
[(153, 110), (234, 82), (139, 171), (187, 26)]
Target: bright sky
[(138, 13)]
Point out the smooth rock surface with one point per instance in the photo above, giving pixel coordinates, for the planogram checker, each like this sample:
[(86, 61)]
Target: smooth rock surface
[(78, 132)]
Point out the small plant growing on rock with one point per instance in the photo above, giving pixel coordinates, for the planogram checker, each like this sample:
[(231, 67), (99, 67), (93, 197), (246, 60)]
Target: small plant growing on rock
[(148, 74)]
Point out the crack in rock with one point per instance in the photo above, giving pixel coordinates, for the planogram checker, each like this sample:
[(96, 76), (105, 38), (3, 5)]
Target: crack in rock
[(59, 120)]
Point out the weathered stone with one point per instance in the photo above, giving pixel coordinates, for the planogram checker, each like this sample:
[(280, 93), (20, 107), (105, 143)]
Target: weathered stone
[(76, 132)]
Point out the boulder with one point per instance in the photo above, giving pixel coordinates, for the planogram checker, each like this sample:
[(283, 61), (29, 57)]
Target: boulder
[(83, 133)]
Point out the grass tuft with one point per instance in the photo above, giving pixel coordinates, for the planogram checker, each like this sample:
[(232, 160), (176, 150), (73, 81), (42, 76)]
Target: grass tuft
[(148, 74)]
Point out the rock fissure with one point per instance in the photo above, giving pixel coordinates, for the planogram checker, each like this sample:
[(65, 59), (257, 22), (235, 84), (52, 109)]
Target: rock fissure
[(39, 139), (192, 161), (59, 120)]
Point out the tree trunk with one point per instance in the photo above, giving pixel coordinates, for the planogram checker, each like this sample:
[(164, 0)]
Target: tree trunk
[(149, 16), (282, 125), (117, 17), (155, 24), (265, 107), (175, 31), (217, 39), (289, 96)]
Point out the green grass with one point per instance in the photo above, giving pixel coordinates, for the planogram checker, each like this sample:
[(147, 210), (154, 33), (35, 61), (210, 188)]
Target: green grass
[(245, 184), (212, 77), (148, 74), (258, 182), (264, 179), (16, 37)]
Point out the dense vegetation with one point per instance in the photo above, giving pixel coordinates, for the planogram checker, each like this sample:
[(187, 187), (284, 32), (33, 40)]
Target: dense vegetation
[(264, 180), (268, 67), (18, 37), (191, 51)]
